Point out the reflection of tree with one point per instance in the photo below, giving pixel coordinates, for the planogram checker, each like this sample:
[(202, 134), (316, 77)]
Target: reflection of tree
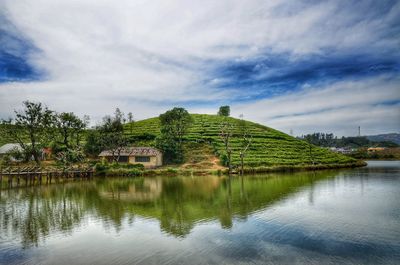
[(33, 215), (177, 202)]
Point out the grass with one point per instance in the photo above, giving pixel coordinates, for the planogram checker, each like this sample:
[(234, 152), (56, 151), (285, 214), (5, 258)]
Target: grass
[(269, 148)]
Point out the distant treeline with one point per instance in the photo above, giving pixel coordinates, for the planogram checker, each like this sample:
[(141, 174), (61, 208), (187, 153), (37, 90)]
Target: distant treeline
[(330, 140)]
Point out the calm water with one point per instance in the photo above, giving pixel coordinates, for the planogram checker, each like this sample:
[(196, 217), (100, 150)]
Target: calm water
[(330, 217)]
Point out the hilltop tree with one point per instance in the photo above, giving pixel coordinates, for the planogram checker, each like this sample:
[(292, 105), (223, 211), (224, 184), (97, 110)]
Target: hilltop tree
[(31, 129), (174, 125), (224, 111)]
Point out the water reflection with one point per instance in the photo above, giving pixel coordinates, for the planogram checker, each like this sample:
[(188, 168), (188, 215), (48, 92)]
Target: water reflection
[(331, 217), (177, 203)]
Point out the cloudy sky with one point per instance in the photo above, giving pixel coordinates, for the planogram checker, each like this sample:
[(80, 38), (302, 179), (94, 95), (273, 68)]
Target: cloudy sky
[(327, 66)]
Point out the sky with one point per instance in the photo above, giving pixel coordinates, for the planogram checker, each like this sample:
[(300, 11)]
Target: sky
[(300, 66)]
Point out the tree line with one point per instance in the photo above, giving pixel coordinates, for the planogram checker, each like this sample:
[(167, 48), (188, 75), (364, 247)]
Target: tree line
[(330, 140), (36, 127)]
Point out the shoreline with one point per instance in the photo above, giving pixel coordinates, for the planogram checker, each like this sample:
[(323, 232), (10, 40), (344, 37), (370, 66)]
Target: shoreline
[(250, 171), (173, 172)]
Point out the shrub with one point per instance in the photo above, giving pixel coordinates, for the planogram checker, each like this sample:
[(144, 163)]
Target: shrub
[(101, 168), (115, 169), (172, 170), (124, 172)]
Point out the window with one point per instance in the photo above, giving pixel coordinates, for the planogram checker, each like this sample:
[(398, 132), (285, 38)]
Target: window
[(142, 158), (123, 159)]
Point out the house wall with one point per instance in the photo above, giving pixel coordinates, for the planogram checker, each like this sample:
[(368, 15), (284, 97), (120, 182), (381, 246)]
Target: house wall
[(155, 161)]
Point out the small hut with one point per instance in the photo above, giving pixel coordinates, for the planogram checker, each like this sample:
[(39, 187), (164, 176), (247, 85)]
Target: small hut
[(9, 148), (148, 156)]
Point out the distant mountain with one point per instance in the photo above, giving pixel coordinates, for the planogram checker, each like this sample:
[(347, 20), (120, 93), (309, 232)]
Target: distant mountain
[(389, 137)]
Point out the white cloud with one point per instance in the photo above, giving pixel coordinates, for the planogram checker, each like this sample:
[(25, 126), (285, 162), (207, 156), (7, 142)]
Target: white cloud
[(339, 107), (140, 55)]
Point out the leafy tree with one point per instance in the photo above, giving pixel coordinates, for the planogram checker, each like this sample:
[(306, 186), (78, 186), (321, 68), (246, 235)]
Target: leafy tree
[(31, 129), (119, 116), (93, 143), (224, 111), (114, 142), (111, 134), (174, 125), (69, 127), (172, 152)]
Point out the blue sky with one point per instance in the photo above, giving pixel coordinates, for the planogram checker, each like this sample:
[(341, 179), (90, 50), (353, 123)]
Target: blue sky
[(303, 66)]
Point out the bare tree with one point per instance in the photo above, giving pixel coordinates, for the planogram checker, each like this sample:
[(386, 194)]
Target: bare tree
[(130, 120), (226, 135), (246, 142)]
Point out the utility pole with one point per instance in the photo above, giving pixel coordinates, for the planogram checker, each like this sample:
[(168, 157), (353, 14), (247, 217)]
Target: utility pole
[(359, 131)]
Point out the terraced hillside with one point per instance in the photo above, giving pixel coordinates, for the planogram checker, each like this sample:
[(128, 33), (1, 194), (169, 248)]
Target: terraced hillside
[(269, 147)]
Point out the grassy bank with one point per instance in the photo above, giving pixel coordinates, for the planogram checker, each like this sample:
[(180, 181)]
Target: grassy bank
[(115, 170)]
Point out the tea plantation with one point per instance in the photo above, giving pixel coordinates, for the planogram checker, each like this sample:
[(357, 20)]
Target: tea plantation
[(269, 147)]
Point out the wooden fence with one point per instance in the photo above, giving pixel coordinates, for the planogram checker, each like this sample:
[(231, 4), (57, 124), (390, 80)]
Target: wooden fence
[(26, 176)]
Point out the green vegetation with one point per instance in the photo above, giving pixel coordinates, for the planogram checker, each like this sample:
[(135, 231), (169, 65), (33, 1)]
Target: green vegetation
[(36, 128), (33, 124), (173, 127), (121, 170), (330, 140), (386, 154), (224, 111), (237, 144), (268, 148)]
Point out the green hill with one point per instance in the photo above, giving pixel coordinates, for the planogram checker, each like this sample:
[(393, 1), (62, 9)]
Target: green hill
[(269, 147)]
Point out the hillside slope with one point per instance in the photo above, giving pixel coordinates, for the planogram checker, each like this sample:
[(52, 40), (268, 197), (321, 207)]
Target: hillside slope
[(269, 147), (389, 137)]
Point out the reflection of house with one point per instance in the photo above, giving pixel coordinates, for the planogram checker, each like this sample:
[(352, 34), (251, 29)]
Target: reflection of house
[(148, 156), (147, 191)]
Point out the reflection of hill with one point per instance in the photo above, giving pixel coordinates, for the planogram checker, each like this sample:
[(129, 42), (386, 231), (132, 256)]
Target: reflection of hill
[(186, 201), (178, 203)]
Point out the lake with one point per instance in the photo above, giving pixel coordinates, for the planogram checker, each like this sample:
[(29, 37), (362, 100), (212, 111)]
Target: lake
[(349, 216)]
